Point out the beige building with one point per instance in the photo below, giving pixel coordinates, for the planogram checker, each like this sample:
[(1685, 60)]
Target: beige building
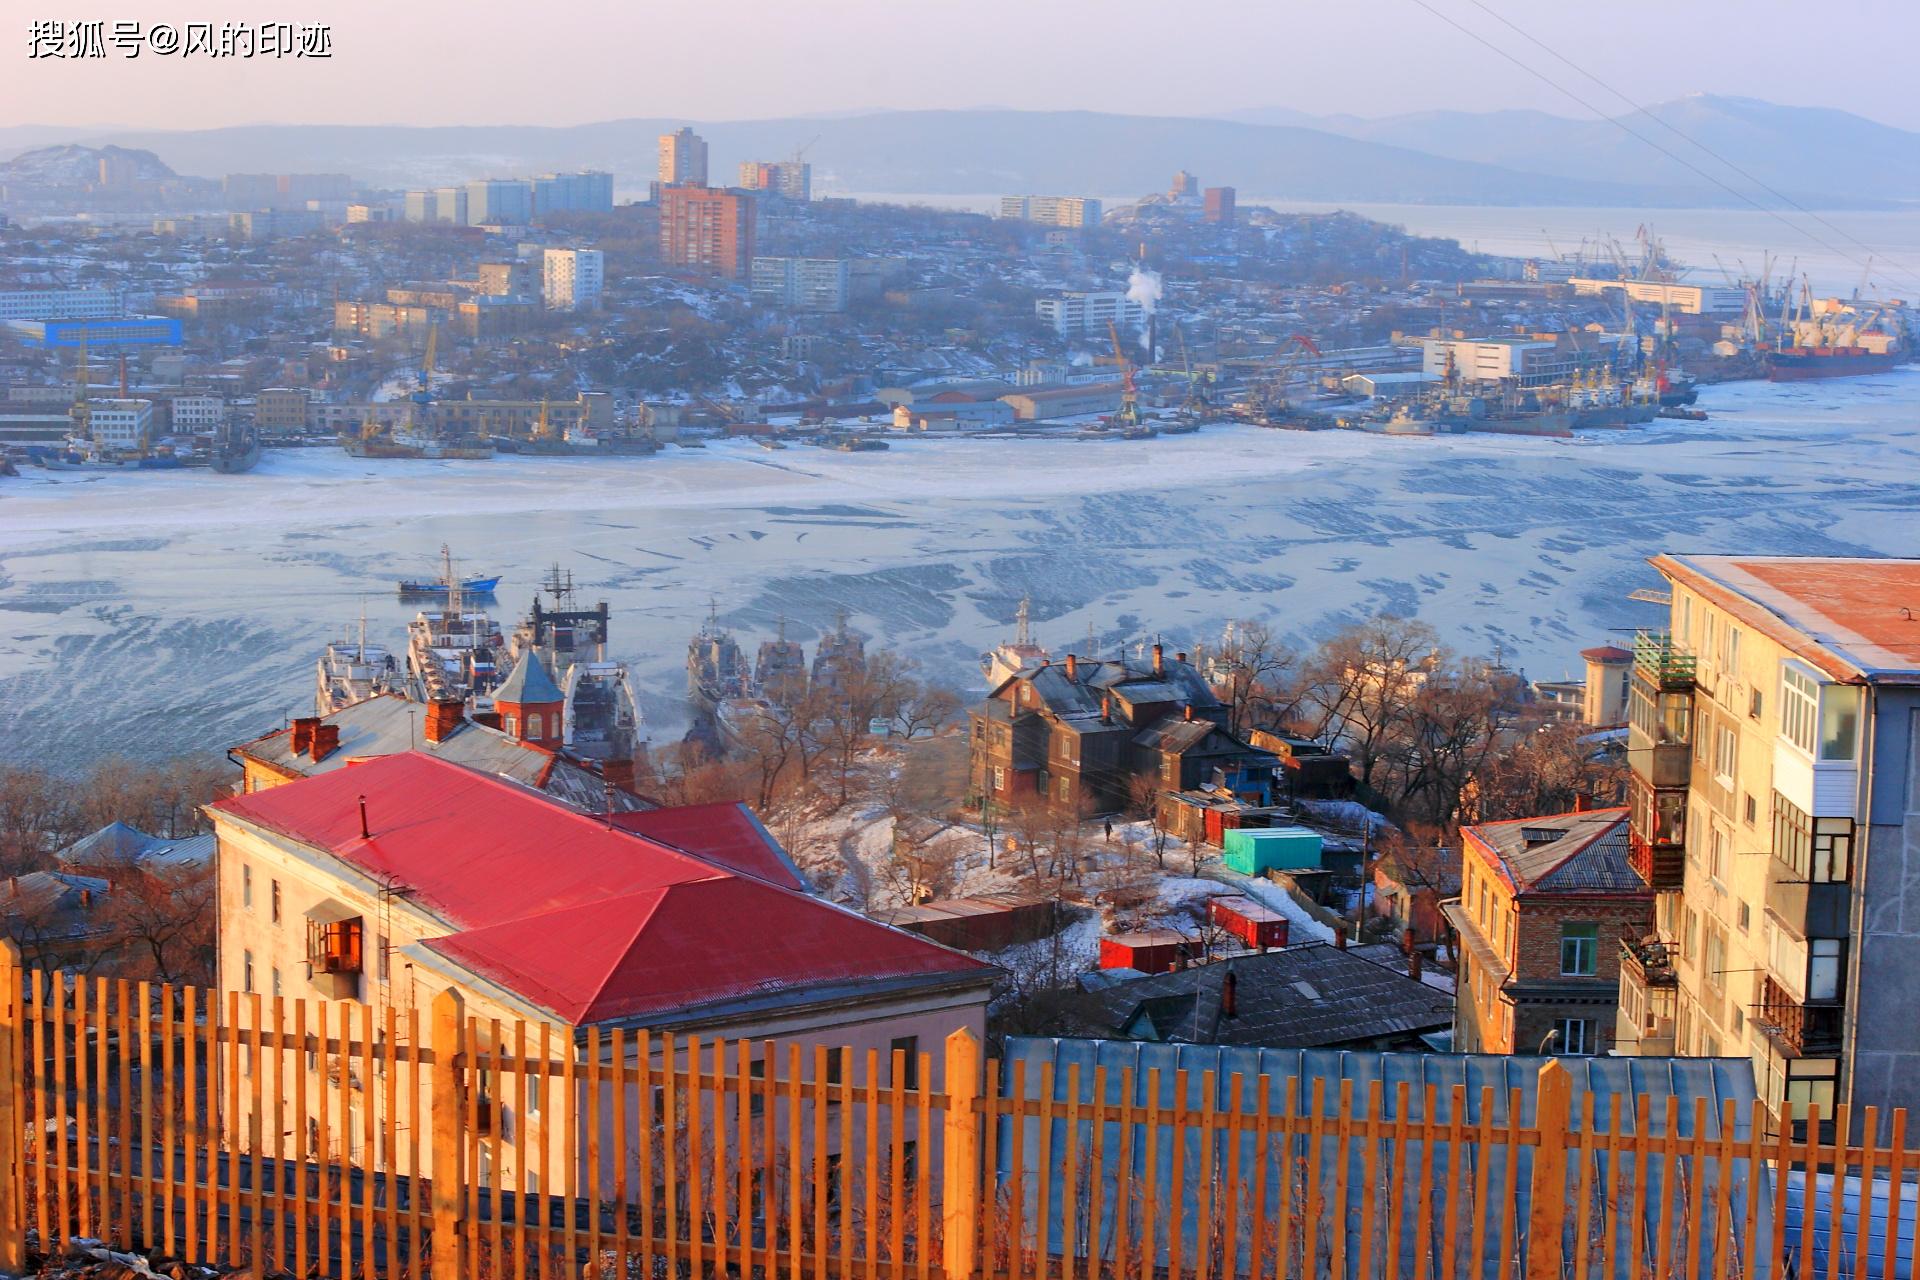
[(1775, 799), (376, 887)]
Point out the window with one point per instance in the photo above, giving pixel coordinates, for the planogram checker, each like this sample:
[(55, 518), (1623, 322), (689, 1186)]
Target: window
[(1717, 854), (1825, 960), (1745, 919), (333, 946), (1799, 708), (1752, 812), (246, 886), (534, 725), (1832, 850), (1792, 835), (276, 902), (1579, 949), (999, 778), (511, 725), (1716, 961), (910, 1069), (246, 971), (1064, 788), (533, 1095), (1687, 935), (1573, 1036), (1810, 1082), (1730, 648), (836, 1065), (1755, 704), (1725, 751), (382, 956), (1839, 722)]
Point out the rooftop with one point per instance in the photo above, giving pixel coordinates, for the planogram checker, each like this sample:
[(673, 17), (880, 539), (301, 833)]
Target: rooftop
[(575, 917), (1581, 852), (1856, 617)]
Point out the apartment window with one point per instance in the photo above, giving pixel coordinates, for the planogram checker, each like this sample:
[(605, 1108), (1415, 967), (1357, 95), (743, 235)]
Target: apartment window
[(1716, 961), (534, 726), (246, 886), (334, 946), (1745, 917), (999, 778), (1799, 708), (511, 725), (1575, 1036), (1579, 949), (246, 971), (909, 1046), (1792, 835), (1755, 703), (1725, 751), (1717, 854), (1064, 788), (1739, 1022), (1831, 856), (837, 1065), (276, 902), (1810, 1082), (1826, 959), (533, 1095), (382, 957), (1752, 810), (1839, 723), (1730, 648), (1687, 935)]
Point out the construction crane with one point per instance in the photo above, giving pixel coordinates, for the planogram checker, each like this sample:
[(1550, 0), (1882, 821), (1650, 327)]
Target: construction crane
[(1129, 415), (1266, 401), (1196, 403), (543, 429), (81, 415)]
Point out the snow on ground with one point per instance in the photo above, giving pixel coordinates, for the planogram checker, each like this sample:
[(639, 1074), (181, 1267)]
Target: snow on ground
[(1301, 927), (164, 610)]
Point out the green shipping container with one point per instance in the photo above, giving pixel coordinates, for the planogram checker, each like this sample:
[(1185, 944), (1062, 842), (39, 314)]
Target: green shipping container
[(1254, 851)]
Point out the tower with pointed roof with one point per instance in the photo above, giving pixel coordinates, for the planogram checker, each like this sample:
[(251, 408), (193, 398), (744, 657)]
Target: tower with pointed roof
[(530, 705)]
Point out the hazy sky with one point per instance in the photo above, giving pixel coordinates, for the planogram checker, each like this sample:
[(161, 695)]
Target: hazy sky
[(568, 61)]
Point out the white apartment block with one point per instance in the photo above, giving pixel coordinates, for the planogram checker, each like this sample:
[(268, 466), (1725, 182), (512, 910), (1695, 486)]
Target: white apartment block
[(1077, 313), (571, 279), (198, 413), (804, 284), (1052, 211), (120, 424), (61, 304)]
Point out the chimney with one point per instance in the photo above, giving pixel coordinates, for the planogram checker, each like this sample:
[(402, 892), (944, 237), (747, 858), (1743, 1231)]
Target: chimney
[(1073, 667), (1106, 708), (1413, 965), (443, 717), (1180, 657), (86, 899), (1582, 802), (1406, 942), (1340, 936), (365, 832), (1188, 711), (326, 740), (303, 733), (1229, 995), (1159, 660), (618, 773)]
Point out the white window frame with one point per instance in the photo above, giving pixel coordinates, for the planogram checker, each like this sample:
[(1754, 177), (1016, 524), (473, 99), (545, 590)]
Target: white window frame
[(1799, 708)]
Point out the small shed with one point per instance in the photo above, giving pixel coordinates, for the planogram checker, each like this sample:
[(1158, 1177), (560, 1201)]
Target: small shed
[(1151, 951), (1254, 851), (1250, 920), (983, 923)]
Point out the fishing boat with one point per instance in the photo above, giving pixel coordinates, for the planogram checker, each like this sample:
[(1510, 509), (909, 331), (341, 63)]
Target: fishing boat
[(472, 585), (351, 671), (601, 718)]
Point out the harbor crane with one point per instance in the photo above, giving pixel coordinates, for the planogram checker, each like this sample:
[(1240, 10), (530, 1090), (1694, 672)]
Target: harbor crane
[(1129, 415)]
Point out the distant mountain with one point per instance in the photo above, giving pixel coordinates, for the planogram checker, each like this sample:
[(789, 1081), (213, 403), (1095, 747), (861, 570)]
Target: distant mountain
[(72, 165), (1817, 155), (1505, 158)]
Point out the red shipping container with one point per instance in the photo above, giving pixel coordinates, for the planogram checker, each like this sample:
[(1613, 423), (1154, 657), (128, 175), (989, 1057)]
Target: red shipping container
[(1155, 951), (1251, 921)]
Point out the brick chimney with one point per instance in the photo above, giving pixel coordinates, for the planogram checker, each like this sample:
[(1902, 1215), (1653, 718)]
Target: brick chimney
[(1340, 936), (1582, 802), (1159, 660), (303, 733), (326, 740), (1187, 711), (1073, 667), (443, 717), (1180, 657), (1413, 965), (1406, 942), (1106, 708)]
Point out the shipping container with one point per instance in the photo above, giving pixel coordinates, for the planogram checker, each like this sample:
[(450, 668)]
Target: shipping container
[(1254, 851), (1251, 921)]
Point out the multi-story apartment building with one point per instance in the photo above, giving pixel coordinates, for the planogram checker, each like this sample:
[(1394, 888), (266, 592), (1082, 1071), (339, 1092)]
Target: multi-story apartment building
[(787, 179), (1052, 211), (707, 228), (572, 278), (1071, 314), (588, 191), (1544, 906), (499, 202), (805, 284), (61, 304), (683, 158), (1218, 205), (1775, 800)]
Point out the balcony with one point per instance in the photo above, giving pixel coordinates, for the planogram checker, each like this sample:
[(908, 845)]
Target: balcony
[(1797, 1027), (1648, 962), (1661, 866), (1661, 662)]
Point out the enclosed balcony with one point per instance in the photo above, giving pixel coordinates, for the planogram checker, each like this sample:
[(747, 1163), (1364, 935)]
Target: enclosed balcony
[(1657, 833), (1797, 1026), (1659, 732), (1649, 998)]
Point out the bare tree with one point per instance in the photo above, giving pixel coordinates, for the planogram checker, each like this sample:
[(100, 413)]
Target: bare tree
[(1144, 802), (1363, 681), (162, 921), (1259, 673)]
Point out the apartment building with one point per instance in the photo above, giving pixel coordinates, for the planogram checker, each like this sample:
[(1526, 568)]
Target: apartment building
[(803, 284), (1052, 211), (120, 424), (1071, 314), (683, 158), (1545, 904), (572, 278), (378, 886), (1775, 812), (707, 228), (786, 179)]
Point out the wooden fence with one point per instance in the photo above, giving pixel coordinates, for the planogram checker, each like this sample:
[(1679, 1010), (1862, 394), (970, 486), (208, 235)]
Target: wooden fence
[(336, 1140)]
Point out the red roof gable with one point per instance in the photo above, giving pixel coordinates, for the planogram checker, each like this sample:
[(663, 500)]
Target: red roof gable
[(727, 835), (576, 917)]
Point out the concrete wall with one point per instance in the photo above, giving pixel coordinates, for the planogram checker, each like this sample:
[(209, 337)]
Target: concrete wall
[(1882, 992)]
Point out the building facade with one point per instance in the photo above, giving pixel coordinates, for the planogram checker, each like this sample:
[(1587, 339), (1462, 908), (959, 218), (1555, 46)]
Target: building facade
[(1545, 906), (60, 304), (1218, 205), (571, 279), (683, 158), (1052, 211), (588, 191), (504, 202), (782, 179), (707, 229), (1071, 314), (802, 284), (124, 425), (1775, 799)]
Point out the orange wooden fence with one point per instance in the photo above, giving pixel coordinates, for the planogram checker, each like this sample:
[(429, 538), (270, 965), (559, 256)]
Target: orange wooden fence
[(336, 1140)]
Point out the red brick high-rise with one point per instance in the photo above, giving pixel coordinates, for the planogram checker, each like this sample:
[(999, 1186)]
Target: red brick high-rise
[(707, 228), (1219, 205)]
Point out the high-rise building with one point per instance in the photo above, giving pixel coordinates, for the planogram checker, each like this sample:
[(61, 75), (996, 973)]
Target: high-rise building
[(1185, 186), (683, 158), (571, 278), (1076, 313), (450, 205), (499, 202), (805, 284), (1052, 211), (787, 179), (1774, 793), (589, 191), (706, 227), (1219, 205)]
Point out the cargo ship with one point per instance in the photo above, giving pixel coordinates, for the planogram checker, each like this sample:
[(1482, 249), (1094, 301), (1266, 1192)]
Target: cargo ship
[(1829, 338), (1801, 364), (235, 450)]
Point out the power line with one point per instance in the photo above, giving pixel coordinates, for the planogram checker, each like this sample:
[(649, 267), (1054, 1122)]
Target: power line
[(1677, 132), (1550, 82)]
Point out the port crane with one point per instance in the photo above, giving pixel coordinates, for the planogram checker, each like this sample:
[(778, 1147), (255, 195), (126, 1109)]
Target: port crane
[(1196, 404), (1129, 414), (1267, 401)]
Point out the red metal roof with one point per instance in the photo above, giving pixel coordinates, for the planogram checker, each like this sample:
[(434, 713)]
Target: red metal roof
[(727, 835), (580, 919), (1607, 653), (1855, 616)]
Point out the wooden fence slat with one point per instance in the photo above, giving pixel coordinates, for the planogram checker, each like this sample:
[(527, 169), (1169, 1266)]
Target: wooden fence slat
[(1896, 1191)]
